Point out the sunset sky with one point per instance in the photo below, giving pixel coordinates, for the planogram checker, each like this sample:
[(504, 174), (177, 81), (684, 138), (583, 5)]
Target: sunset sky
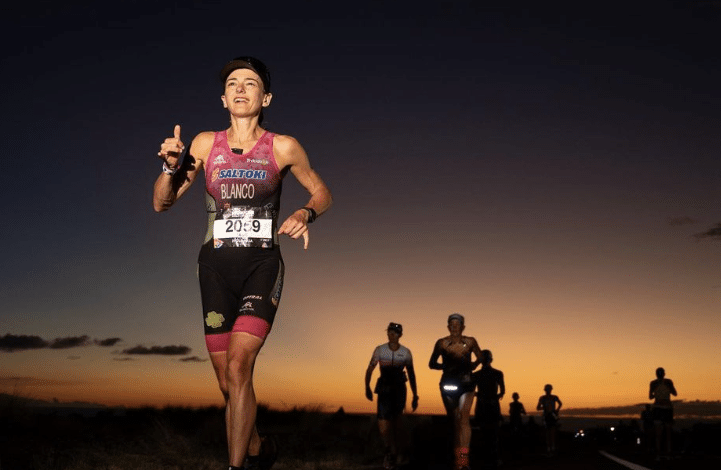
[(552, 174)]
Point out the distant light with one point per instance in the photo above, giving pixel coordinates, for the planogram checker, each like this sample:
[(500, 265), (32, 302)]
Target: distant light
[(638, 441), (612, 429), (450, 388)]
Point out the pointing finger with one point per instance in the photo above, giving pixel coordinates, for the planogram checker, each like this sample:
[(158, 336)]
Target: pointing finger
[(176, 131), (305, 240)]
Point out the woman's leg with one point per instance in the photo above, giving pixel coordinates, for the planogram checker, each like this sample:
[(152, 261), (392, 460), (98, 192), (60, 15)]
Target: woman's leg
[(463, 430), (220, 364), (464, 419), (241, 404)]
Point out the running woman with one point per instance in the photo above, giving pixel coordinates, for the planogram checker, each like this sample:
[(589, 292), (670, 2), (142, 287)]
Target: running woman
[(395, 360), (550, 404), (240, 267), (457, 386)]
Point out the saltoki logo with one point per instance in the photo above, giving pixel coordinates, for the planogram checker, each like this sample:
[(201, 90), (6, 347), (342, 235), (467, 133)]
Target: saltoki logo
[(242, 173)]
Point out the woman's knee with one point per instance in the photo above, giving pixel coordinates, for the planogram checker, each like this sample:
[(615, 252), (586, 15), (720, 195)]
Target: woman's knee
[(240, 366), (223, 386), (243, 351), (239, 371)]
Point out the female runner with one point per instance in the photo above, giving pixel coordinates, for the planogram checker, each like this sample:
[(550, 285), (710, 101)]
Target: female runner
[(456, 384), (240, 267)]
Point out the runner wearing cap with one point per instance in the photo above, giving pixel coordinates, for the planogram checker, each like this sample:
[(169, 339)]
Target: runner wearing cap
[(395, 360), (457, 386), (240, 267)]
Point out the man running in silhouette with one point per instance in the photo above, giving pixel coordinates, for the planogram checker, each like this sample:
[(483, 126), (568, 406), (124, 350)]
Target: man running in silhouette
[(490, 390), (660, 392), (550, 405)]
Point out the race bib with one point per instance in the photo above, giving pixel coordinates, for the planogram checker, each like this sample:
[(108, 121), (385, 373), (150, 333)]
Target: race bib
[(243, 228)]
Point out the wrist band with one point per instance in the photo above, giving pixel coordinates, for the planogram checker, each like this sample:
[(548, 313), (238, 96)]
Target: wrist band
[(169, 171), (312, 214)]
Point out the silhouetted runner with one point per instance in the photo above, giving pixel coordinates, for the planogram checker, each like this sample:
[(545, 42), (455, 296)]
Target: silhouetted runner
[(395, 360), (516, 410), (660, 391), (490, 390), (648, 428), (550, 405)]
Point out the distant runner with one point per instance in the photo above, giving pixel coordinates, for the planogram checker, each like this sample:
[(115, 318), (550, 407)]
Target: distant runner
[(660, 391), (456, 384), (395, 360), (490, 390), (516, 411), (240, 267), (550, 405)]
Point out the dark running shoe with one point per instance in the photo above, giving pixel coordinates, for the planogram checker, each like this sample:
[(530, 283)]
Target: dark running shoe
[(252, 463), (268, 452), (389, 461)]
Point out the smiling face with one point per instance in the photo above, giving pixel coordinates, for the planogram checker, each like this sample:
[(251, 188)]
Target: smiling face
[(244, 94)]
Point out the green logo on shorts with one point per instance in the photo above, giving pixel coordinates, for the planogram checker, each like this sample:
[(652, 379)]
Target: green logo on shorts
[(214, 319)]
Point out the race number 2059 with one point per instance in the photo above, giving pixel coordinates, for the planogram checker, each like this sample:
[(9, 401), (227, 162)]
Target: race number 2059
[(243, 228)]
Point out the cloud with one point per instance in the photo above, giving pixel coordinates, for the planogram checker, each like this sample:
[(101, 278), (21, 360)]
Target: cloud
[(107, 342), (70, 342), (27, 381), (159, 350), (714, 232), (677, 221), (193, 359), (124, 359), (12, 343)]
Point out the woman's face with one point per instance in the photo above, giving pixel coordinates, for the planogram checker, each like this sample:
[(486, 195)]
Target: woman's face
[(393, 336), (244, 94)]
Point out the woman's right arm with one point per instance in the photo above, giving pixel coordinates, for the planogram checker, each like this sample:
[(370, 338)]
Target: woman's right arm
[(174, 181)]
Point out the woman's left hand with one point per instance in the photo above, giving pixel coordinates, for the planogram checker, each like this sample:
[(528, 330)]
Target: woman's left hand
[(295, 226)]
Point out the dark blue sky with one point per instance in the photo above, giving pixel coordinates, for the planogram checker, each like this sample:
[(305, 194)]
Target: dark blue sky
[(466, 144)]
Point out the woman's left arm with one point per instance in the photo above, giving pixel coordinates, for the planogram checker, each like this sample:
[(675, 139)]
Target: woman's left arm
[(289, 153)]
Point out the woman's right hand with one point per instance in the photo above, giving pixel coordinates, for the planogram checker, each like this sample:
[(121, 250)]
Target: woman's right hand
[(172, 148)]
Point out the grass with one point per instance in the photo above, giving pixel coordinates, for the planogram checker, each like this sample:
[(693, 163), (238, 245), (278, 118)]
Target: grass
[(176, 439), (194, 439)]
